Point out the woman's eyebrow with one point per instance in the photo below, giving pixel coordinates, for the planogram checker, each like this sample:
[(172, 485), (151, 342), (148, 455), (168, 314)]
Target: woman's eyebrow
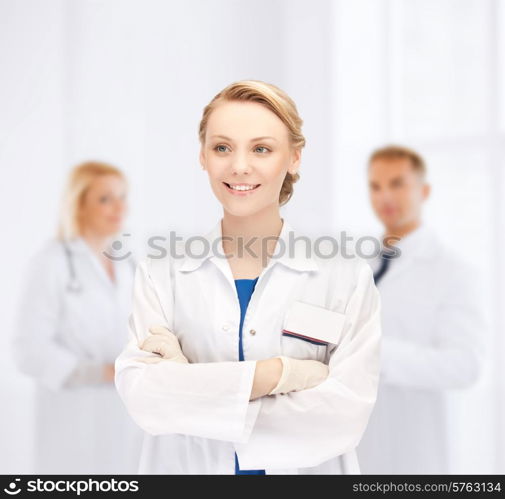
[(252, 140)]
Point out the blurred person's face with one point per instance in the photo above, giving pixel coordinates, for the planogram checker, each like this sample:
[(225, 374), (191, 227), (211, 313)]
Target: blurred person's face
[(104, 205), (247, 154), (397, 192)]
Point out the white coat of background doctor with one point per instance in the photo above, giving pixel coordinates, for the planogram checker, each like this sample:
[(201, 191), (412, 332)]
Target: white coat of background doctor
[(433, 326), (71, 324)]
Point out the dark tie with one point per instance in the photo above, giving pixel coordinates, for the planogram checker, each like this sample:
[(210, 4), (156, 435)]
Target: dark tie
[(385, 261)]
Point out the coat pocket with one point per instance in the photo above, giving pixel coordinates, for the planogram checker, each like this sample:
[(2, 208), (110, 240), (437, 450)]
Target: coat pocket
[(313, 324)]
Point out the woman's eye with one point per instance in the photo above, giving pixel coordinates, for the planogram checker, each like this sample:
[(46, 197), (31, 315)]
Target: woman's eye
[(223, 148), (104, 199)]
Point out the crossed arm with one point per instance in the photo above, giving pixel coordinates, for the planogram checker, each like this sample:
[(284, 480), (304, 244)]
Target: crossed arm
[(164, 343), (225, 400)]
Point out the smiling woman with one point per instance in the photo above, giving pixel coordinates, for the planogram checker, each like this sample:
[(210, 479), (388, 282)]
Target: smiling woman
[(282, 353), (247, 112)]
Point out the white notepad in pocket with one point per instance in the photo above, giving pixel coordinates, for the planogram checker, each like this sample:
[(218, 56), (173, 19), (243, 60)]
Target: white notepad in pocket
[(313, 323)]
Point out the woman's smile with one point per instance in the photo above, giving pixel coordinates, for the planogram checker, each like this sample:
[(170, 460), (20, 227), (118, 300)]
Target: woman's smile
[(241, 189)]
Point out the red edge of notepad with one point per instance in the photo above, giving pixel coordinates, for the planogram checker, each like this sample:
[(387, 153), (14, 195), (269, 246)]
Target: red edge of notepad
[(285, 332)]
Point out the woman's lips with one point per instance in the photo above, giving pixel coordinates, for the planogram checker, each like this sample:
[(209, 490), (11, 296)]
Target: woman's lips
[(240, 193)]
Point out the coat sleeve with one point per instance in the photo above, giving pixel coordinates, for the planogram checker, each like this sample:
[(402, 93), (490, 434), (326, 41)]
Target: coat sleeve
[(455, 357), (209, 400), (37, 351), (306, 428)]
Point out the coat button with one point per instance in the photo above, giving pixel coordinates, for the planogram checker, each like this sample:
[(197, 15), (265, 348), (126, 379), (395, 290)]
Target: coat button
[(252, 331), (226, 327)]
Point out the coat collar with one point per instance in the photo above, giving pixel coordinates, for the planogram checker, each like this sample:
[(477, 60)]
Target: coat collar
[(298, 258), (77, 245), (421, 243)]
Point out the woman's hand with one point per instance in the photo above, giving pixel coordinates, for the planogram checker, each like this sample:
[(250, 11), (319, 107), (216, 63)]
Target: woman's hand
[(266, 376), (163, 342), (298, 374), (108, 373), (286, 374)]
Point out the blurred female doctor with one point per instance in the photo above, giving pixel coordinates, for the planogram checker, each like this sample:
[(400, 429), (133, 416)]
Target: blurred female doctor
[(243, 365), (71, 324)]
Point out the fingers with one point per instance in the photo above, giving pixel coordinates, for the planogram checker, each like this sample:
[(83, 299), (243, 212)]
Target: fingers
[(298, 374), (318, 373), (164, 342), (153, 345)]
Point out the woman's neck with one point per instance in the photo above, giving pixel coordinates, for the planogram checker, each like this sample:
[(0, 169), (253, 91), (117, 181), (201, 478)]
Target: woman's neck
[(97, 242), (261, 229), (263, 224)]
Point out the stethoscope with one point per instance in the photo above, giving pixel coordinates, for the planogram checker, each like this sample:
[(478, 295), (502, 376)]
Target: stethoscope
[(74, 285)]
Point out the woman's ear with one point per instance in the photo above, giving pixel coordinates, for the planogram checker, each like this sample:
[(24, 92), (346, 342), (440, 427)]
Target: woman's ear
[(426, 191), (202, 158), (295, 162)]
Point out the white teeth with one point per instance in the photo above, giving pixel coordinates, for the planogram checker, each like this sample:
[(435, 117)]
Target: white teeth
[(242, 187)]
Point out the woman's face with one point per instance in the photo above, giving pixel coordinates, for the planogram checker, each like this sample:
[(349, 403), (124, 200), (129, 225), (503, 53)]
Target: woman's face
[(104, 205), (247, 147)]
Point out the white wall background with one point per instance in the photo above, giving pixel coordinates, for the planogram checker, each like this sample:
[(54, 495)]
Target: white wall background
[(126, 81)]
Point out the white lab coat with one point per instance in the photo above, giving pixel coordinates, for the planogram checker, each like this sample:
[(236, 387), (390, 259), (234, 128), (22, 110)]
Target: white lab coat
[(433, 342), (82, 428), (197, 415)]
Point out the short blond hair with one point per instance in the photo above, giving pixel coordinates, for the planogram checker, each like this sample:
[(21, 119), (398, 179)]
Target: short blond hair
[(274, 99), (78, 183), (392, 152)]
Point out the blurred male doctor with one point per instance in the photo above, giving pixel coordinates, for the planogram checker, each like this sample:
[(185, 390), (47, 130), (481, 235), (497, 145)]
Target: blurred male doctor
[(432, 324)]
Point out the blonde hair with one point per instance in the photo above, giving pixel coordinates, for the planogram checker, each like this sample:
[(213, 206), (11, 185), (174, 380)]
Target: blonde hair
[(274, 99), (78, 184), (393, 152)]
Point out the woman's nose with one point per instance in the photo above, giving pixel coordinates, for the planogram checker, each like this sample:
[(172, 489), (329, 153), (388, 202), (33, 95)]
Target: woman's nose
[(240, 163)]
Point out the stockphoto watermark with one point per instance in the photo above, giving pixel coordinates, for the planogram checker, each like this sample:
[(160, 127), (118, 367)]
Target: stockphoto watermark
[(264, 247), (70, 486)]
